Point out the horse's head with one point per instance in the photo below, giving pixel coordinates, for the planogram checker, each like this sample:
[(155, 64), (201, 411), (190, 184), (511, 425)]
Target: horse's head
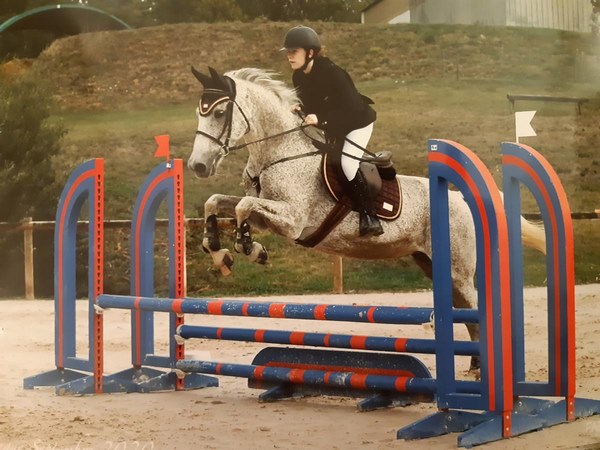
[(221, 122)]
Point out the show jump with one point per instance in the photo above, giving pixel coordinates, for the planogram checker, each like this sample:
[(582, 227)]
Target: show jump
[(381, 370)]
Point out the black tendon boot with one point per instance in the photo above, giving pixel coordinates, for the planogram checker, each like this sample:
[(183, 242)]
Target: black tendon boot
[(368, 224)]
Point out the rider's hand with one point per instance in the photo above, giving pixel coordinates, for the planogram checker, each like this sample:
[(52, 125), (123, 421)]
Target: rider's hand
[(311, 119)]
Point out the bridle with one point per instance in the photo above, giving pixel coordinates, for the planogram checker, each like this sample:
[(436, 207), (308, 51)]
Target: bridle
[(206, 108)]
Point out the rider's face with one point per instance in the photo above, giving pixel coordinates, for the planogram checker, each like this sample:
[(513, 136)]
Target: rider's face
[(296, 57)]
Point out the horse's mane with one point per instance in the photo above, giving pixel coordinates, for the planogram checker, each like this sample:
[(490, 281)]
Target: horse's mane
[(265, 78)]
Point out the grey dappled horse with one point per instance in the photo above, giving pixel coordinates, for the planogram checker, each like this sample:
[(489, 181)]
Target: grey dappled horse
[(285, 192)]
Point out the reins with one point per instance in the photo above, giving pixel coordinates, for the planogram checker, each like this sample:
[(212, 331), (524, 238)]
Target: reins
[(283, 133)]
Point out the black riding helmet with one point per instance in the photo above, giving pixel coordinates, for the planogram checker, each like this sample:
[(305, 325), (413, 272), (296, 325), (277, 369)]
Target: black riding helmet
[(302, 37)]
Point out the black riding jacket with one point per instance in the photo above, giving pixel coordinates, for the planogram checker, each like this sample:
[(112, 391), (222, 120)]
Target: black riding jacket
[(329, 92)]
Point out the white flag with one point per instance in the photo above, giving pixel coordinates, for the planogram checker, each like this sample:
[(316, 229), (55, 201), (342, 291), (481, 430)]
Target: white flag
[(523, 124)]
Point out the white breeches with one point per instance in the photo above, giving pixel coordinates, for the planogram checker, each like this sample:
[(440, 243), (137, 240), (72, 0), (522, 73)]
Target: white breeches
[(360, 137)]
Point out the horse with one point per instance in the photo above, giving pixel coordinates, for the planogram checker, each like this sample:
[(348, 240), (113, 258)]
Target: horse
[(285, 193)]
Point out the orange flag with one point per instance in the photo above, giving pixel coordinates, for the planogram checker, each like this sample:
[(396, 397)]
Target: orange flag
[(163, 146)]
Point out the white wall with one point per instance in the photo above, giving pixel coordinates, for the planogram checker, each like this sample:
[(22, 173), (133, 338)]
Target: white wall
[(573, 15)]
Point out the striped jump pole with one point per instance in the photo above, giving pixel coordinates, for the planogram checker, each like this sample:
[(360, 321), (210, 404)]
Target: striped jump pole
[(383, 380), (330, 340), (373, 363), (298, 358), (368, 314), (336, 379)]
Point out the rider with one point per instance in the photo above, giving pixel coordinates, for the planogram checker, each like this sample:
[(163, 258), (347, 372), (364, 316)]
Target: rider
[(332, 103)]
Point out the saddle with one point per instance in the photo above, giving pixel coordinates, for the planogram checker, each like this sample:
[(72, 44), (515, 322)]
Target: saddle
[(383, 185), (381, 178)]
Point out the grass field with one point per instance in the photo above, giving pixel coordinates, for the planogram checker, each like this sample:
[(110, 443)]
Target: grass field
[(427, 82)]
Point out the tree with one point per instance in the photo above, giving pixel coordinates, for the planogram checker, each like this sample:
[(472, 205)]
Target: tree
[(28, 142)]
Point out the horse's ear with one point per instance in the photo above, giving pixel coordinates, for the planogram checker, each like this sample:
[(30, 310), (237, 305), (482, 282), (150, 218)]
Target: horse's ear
[(204, 79), (214, 74), (218, 79)]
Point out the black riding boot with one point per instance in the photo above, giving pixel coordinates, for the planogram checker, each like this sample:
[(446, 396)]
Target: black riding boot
[(368, 224)]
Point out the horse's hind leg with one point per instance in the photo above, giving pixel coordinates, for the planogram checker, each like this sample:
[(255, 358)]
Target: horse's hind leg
[(464, 295)]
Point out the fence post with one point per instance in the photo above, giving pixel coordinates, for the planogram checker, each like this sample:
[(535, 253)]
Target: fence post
[(28, 257), (338, 275)]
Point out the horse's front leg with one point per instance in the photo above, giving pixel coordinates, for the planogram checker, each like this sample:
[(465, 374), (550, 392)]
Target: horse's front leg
[(215, 205), (279, 217), (254, 251)]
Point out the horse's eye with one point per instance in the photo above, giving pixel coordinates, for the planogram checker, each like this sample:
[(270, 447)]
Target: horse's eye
[(219, 113)]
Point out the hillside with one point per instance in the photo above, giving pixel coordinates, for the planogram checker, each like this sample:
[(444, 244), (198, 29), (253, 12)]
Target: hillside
[(123, 69), (427, 81)]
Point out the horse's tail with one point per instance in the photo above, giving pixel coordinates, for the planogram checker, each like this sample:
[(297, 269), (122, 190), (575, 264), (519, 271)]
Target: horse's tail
[(533, 235)]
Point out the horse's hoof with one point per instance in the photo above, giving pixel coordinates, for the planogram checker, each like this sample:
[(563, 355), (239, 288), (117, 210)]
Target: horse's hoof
[(241, 246), (223, 260), (263, 256), (227, 264), (258, 254), (225, 271), (474, 373)]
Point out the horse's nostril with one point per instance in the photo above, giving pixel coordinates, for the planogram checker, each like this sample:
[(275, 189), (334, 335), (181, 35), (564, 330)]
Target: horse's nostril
[(200, 170)]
